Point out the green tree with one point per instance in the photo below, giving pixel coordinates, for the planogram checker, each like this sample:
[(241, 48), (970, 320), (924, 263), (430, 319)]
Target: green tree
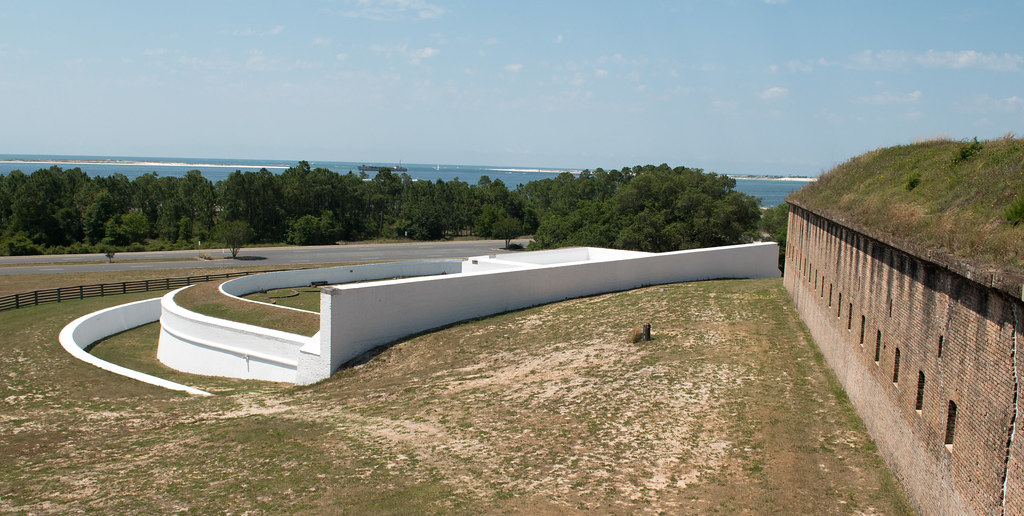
[(775, 224), (234, 233), (507, 228), (135, 227), (304, 231)]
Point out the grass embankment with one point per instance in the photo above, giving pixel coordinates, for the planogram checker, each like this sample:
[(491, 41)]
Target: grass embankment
[(730, 409), (206, 299), (938, 194), (303, 298)]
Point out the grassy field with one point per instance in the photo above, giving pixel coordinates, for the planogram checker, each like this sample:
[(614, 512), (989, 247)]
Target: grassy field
[(730, 409), (941, 194)]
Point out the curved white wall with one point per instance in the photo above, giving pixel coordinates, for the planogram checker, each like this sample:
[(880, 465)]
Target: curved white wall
[(200, 344), (404, 307), (90, 328)]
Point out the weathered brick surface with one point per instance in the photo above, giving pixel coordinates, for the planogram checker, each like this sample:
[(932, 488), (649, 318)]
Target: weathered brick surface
[(856, 292)]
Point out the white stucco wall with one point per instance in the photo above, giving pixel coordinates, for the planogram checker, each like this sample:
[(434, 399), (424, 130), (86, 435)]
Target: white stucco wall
[(200, 344), (90, 328), (357, 318)]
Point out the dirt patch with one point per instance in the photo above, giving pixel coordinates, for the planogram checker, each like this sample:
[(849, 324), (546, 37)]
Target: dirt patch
[(546, 410)]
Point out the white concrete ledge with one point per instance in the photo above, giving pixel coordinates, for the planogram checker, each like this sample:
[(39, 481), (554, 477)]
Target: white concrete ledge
[(90, 328)]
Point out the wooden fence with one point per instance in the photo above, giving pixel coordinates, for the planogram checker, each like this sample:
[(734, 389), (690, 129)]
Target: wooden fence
[(56, 295)]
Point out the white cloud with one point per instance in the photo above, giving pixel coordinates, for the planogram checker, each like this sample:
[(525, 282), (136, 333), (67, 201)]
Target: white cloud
[(392, 10), (1013, 103), (415, 55), (889, 98), (260, 62), (970, 58), (774, 2), (600, 73), (773, 93), (341, 56), (154, 51), (614, 59), (321, 42), (802, 65), (987, 104), (893, 59), (424, 53), (558, 39), (514, 68), (273, 31)]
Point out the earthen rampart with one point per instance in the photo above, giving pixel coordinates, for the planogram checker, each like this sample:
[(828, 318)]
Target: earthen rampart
[(926, 348)]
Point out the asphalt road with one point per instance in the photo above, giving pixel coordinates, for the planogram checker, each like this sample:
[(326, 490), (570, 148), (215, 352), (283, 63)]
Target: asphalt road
[(281, 256)]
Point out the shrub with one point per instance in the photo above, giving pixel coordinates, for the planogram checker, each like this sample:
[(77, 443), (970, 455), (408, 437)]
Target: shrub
[(637, 334), (1015, 212), (913, 180), (19, 244), (966, 151)]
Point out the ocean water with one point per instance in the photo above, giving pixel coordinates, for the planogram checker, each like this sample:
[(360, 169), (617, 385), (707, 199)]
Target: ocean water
[(770, 191)]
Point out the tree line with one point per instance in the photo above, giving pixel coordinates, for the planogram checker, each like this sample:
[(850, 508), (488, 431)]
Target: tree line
[(649, 208)]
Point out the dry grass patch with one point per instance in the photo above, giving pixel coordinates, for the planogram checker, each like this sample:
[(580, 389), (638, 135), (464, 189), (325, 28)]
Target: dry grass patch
[(728, 409), (207, 299)]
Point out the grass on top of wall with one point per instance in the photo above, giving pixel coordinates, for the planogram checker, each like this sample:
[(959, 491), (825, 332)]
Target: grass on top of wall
[(953, 195), (207, 299)]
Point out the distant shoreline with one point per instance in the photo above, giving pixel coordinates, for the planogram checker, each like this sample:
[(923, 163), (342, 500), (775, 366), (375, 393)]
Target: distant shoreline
[(774, 178), (150, 163), (115, 162)]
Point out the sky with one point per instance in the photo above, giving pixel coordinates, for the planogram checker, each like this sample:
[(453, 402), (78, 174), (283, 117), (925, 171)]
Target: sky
[(775, 87)]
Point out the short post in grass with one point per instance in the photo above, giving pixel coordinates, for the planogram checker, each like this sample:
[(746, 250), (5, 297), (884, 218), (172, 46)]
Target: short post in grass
[(647, 332)]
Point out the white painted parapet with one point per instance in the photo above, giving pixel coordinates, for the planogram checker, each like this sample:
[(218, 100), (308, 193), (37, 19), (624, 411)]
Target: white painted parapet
[(200, 344), (357, 318), (90, 328)]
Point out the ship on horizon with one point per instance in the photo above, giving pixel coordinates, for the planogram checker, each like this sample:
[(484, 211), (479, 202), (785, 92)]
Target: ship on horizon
[(373, 168)]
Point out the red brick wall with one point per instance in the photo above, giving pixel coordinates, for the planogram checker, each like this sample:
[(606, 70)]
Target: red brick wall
[(976, 370)]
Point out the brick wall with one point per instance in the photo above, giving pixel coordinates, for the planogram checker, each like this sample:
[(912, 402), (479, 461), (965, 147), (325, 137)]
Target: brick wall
[(955, 339)]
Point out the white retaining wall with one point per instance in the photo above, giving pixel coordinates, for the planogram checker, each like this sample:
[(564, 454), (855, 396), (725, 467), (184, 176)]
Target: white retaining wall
[(200, 344), (357, 318), (90, 328)]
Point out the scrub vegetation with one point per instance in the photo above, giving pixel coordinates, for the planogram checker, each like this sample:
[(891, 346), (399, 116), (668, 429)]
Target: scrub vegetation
[(647, 208), (965, 197), (729, 409)]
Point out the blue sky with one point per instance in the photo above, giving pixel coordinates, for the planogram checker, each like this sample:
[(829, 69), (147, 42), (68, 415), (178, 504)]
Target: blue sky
[(733, 86)]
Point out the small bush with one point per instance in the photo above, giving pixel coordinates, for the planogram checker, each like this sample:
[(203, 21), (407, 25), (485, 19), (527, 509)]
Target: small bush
[(912, 181), (966, 151), (1015, 212), (637, 334), (19, 244)]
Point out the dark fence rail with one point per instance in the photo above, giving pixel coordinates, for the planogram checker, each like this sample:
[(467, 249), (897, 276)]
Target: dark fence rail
[(56, 295)]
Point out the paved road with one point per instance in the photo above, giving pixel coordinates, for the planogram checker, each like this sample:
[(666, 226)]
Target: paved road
[(282, 256)]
